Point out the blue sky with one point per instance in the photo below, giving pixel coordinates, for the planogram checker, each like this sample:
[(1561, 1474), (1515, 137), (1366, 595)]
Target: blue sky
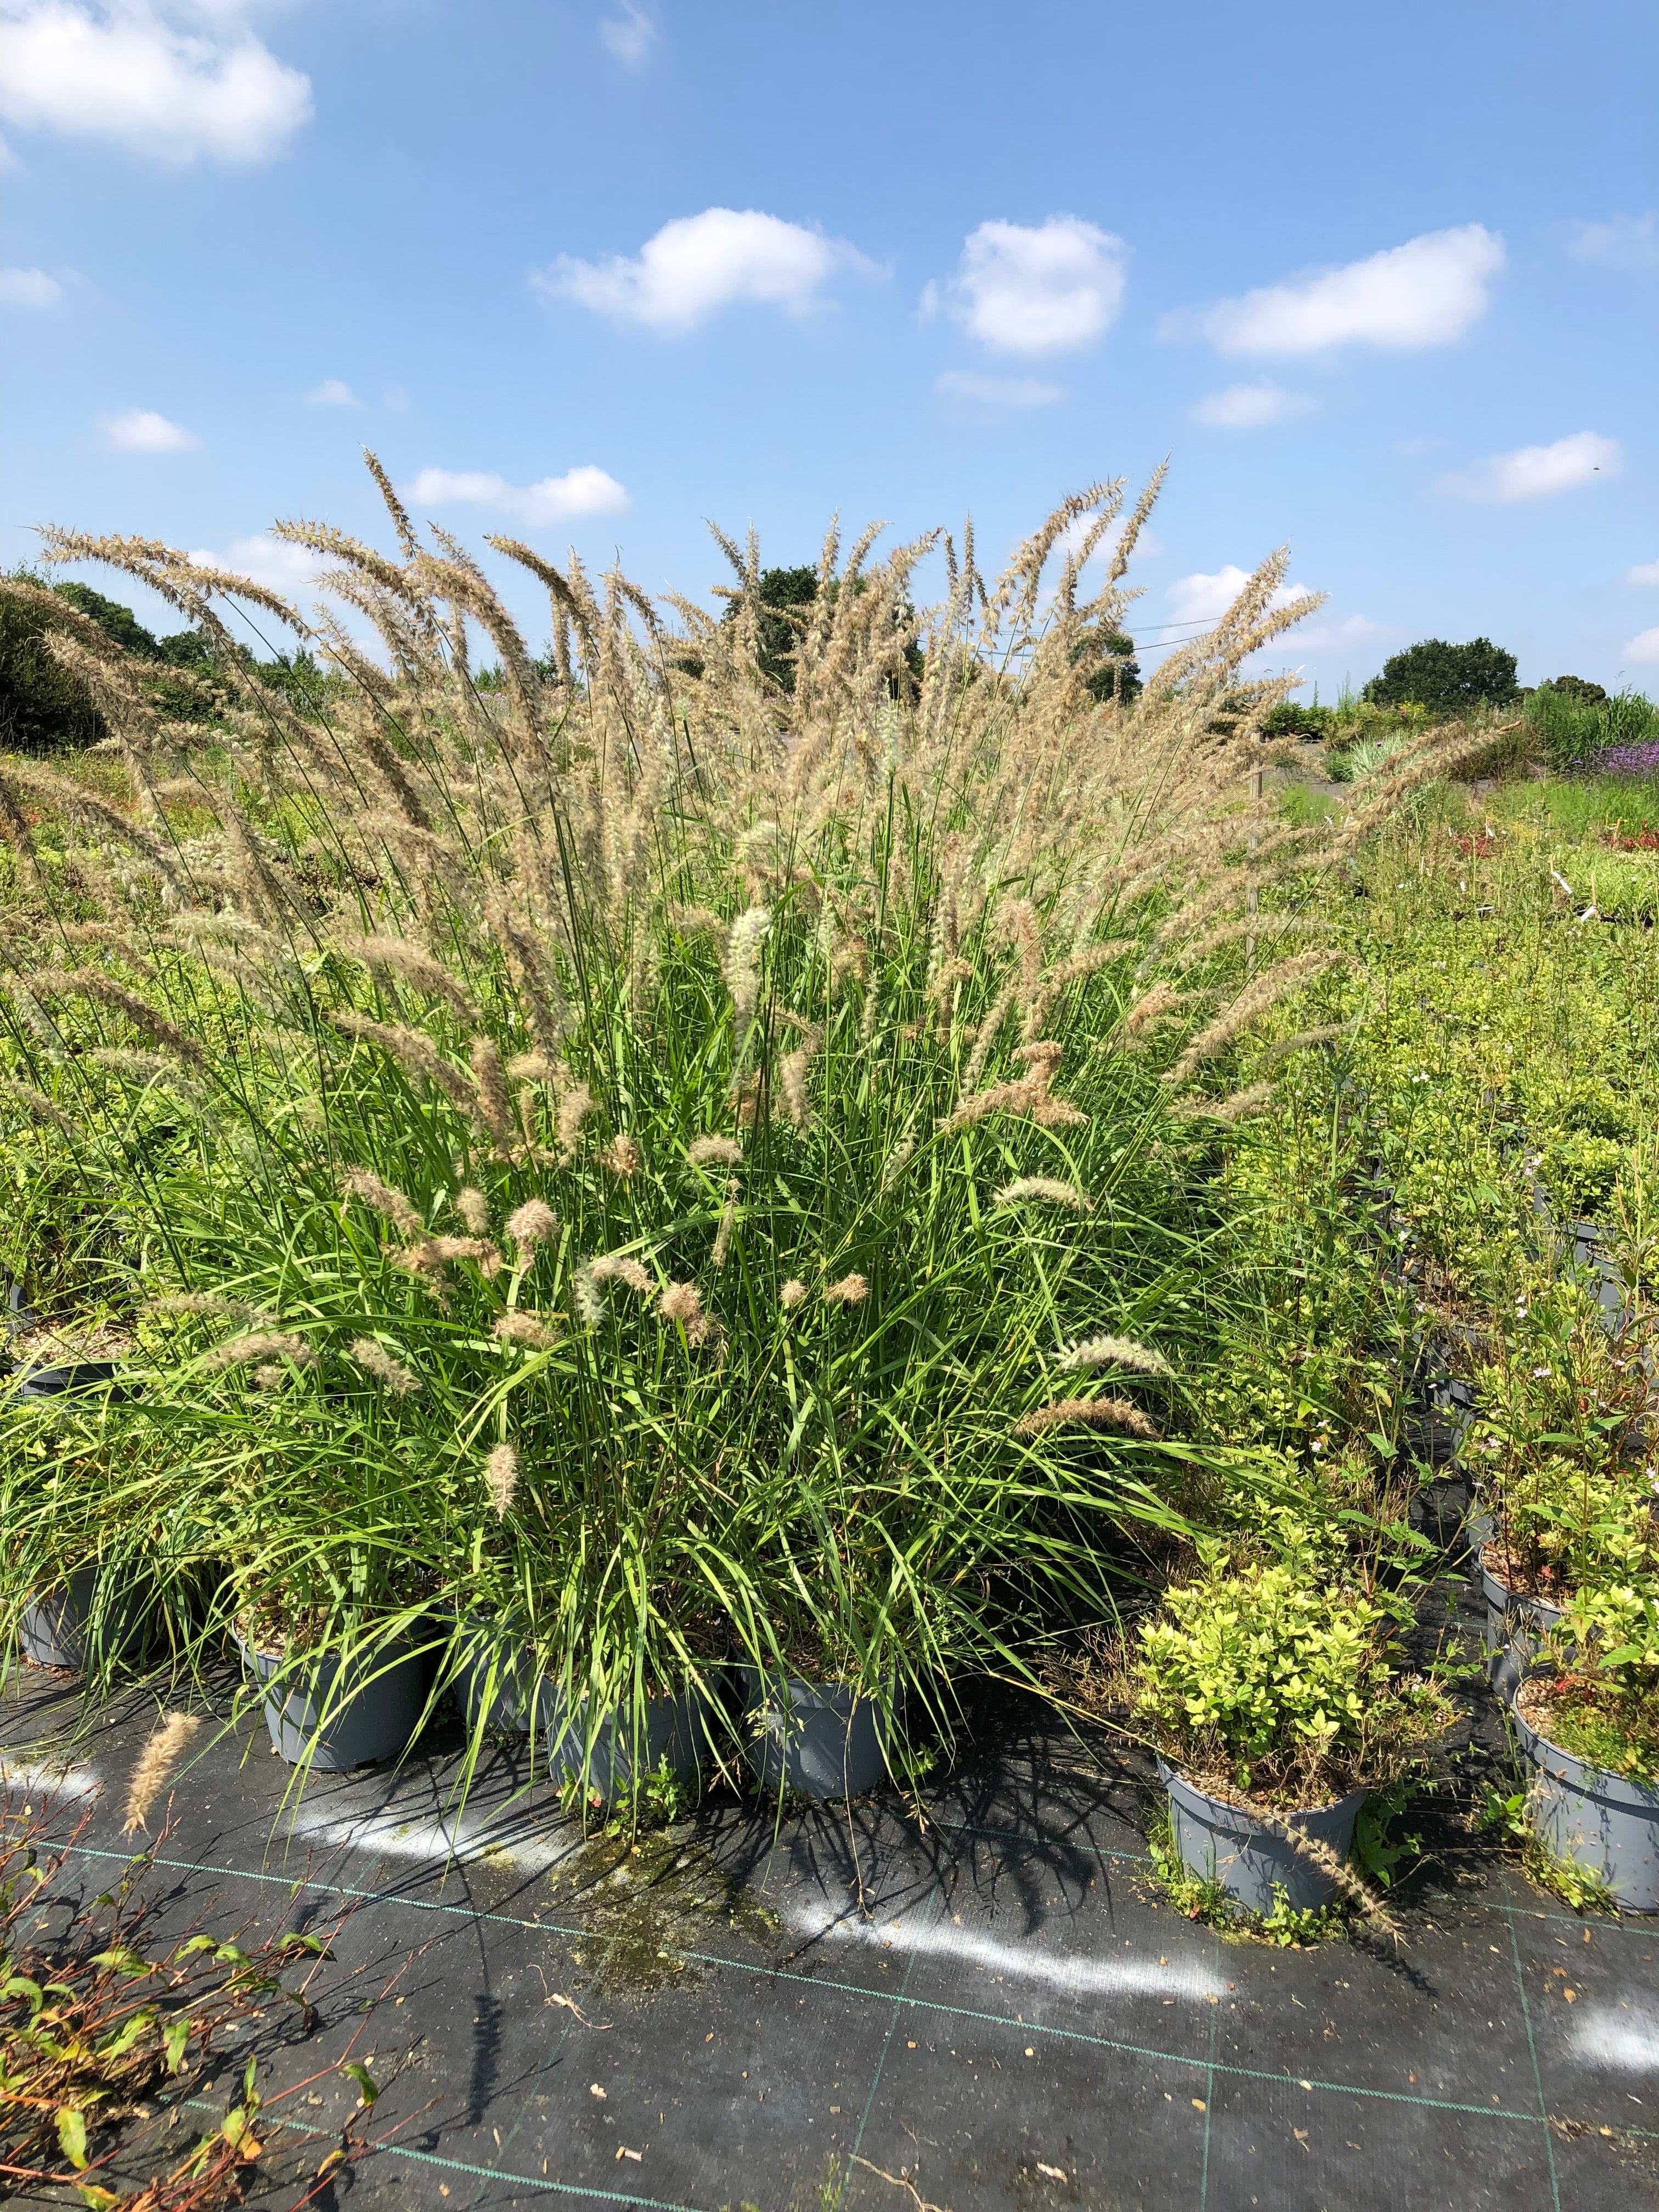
[(1381, 284)]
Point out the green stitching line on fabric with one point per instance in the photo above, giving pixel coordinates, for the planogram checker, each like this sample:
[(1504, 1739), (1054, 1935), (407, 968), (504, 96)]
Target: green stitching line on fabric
[(855, 1989), (482, 2173), (1537, 2071)]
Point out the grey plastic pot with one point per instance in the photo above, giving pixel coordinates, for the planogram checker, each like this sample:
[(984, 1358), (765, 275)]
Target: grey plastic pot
[(1515, 1628), (675, 1729), (819, 1738), (1223, 1843), (1605, 1823), (372, 1716), (52, 1632)]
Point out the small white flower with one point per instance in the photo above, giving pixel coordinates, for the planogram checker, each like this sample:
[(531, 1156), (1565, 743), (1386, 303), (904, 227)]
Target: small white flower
[(1540, 1370)]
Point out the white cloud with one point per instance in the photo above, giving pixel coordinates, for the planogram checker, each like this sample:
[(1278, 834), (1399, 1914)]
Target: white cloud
[(331, 393), (699, 264), (138, 430), (268, 561), (1623, 241), (631, 34), (28, 287), (1348, 630), (1644, 649), (1247, 406), (1022, 289), (176, 81), (1426, 293), (996, 391), (580, 491), (1646, 572), (1201, 599), (1536, 471)]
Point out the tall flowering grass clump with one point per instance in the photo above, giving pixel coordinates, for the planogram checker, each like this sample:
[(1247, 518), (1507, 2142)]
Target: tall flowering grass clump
[(667, 1163)]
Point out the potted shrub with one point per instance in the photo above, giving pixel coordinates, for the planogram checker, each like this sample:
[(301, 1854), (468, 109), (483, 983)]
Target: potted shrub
[(1275, 1701), (1587, 1723), (1564, 1505)]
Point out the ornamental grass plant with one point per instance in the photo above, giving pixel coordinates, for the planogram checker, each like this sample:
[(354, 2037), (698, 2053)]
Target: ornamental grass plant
[(648, 1162)]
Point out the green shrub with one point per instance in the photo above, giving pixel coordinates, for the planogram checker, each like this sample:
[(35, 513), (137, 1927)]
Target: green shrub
[(1603, 1706), (1267, 1682)]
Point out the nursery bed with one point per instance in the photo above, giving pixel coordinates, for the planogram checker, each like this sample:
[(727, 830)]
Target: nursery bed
[(1012, 2016)]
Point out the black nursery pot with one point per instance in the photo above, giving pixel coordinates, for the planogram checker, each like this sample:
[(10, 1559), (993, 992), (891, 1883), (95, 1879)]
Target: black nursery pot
[(74, 1375)]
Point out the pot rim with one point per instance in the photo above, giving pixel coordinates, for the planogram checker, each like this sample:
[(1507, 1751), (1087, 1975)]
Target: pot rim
[(1590, 1781), (1245, 1809)]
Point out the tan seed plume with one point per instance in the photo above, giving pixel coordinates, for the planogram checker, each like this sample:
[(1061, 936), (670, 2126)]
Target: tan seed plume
[(474, 1209), (375, 1359), (1111, 1351), (621, 1157), (850, 1290), (715, 1152), (791, 1294), (1046, 1188), (525, 1328), (358, 1183), (162, 1751), (502, 1477), (243, 1351), (531, 1224), (1091, 1413), (575, 1107)]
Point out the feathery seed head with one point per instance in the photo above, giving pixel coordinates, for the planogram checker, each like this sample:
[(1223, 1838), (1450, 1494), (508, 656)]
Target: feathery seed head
[(621, 1267), (791, 1294), (850, 1290), (501, 1476), (161, 1753), (243, 1351), (1091, 1413), (575, 1107), (358, 1183), (474, 1209), (375, 1359), (621, 1156), (713, 1152), (532, 1224), (1045, 1187), (525, 1328), (1111, 1351)]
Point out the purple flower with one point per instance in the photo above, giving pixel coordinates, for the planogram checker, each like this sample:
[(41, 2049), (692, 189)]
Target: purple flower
[(1628, 760)]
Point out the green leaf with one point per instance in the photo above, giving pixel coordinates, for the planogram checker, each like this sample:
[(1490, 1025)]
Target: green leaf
[(72, 2135), (1382, 1444), (122, 1958), (365, 2080), (174, 2036)]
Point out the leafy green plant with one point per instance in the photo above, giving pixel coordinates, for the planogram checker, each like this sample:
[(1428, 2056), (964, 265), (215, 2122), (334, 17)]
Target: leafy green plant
[(1266, 1683), (1602, 1705), (110, 2034), (1505, 1816)]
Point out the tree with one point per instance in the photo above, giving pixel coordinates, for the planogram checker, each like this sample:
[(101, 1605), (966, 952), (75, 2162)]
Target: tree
[(790, 591), (112, 617), (1447, 679), (786, 594), (1579, 689), (41, 704), (1119, 676)]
